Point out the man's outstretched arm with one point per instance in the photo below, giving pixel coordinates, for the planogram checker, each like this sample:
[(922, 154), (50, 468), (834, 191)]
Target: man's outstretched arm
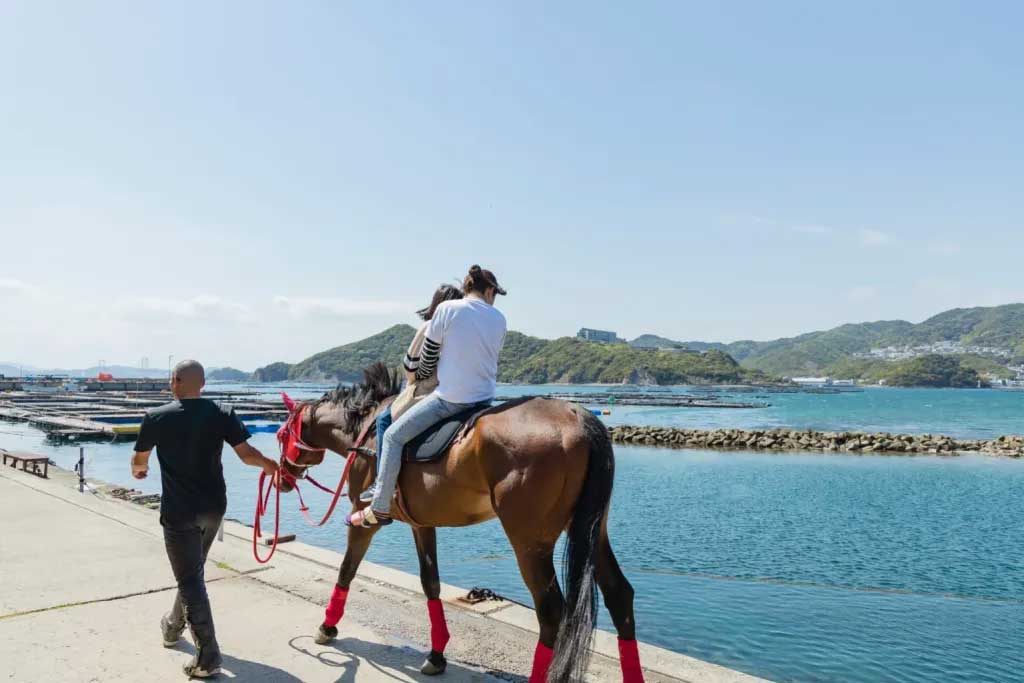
[(252, 456)]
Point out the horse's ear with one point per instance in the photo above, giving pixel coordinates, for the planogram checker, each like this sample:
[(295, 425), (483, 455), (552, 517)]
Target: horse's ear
[(288, 402)]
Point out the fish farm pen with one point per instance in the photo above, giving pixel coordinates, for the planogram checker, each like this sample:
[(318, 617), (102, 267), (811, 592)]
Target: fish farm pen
[(112, 415)]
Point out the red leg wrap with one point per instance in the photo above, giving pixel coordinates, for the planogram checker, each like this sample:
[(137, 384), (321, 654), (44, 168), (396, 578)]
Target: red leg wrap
[(438, 626), (542, 657), (336, 607), (629, 658)]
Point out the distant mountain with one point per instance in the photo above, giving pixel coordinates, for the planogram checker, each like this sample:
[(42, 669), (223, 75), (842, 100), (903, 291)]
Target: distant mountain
[(275, 372), (652, 358), (653, 341), (346, 362), (526, 359), (119, 371), (1000, 327), (574, 361), (517, 350), (227, 375)]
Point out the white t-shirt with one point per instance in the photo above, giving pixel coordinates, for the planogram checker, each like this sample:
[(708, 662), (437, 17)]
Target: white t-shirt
[(470, 332)]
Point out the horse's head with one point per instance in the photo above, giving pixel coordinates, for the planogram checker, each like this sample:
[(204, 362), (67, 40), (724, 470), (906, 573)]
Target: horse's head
[(298, 453), (336, 422)]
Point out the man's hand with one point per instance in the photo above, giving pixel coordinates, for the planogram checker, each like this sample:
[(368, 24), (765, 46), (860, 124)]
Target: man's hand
[(269, 466), (140, 464)]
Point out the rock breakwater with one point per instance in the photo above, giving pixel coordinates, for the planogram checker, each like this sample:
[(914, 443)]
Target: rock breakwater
[(811, 440)]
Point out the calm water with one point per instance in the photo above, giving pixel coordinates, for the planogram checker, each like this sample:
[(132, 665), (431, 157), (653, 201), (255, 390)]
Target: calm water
[(844, 569)]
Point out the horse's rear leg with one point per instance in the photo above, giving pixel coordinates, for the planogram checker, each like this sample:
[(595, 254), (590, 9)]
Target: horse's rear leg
[(358, 543), (618, 598), (426, 548), (538, 570)]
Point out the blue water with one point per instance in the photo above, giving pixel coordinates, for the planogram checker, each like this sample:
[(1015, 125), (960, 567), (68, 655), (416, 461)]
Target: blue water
[(846, 569)]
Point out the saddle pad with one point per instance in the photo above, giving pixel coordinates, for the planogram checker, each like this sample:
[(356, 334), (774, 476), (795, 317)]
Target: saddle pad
[(432, 444)]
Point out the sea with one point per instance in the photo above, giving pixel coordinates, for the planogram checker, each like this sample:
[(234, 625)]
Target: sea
[(793, 567)]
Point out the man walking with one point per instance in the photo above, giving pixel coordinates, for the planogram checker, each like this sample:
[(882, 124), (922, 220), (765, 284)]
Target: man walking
[(189, 434)]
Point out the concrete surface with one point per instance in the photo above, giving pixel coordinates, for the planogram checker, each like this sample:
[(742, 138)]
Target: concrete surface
[(85, 580)]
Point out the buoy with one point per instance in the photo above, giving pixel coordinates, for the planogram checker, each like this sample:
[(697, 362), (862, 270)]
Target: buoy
[(606, 412), (595, 412)]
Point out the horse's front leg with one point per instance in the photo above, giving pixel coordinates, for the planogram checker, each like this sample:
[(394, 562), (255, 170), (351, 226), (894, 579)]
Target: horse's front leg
[(426, 548), (358, 543)]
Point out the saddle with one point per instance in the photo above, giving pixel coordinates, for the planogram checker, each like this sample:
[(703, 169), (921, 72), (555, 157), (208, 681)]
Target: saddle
[(432, 444)]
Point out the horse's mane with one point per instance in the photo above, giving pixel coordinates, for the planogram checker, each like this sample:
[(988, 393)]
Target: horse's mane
[(379, 384)]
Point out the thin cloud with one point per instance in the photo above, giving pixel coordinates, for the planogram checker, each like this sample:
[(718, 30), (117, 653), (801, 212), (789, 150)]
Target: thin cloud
[(874, 238), (813, 229), (205, 307), (944, 248), (309, 307), (18, 287)]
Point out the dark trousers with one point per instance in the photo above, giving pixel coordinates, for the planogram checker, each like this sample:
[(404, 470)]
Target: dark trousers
[(187, 543)]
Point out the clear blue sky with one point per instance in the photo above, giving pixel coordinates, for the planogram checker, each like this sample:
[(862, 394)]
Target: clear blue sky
[(249, 182)]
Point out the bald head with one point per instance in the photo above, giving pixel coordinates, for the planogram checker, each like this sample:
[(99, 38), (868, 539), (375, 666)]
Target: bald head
[(188, 379)]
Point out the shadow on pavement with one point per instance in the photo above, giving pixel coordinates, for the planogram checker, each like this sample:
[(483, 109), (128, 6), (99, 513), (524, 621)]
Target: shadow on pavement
[(243, 669), (395, 662)]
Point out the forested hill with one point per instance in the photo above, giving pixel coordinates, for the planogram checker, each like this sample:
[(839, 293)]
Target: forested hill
[(972, 330), (985, 340), (528, 360)]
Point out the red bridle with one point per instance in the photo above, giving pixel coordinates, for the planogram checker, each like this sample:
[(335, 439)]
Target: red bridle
[(289, 438)]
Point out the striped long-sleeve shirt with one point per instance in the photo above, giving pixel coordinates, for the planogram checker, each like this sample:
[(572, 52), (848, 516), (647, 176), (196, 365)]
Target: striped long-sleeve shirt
[(421, 359), (427, 363)]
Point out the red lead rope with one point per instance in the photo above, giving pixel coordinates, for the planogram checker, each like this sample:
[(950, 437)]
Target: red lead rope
[(263, 497)]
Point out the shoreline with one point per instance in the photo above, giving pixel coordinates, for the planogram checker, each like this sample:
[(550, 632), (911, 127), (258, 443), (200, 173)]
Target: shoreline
[(811, 441)]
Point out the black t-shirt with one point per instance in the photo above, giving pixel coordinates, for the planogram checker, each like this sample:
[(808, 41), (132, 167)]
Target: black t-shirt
[(189, 435)]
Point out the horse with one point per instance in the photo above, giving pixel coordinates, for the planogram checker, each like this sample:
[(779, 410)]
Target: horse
[(541, 466)]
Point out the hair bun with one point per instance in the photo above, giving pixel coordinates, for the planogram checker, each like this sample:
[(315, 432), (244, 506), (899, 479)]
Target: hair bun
[(475, 270)]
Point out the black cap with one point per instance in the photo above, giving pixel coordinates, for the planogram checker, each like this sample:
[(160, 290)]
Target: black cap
[(493, 281)]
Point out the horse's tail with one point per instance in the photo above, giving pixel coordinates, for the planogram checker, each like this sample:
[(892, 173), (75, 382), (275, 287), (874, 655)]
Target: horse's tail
[(572, 647)]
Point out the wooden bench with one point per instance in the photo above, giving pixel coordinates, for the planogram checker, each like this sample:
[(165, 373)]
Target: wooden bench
[(29, 463)]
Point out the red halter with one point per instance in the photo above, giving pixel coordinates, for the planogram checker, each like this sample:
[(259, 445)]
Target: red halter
[(289, 437)]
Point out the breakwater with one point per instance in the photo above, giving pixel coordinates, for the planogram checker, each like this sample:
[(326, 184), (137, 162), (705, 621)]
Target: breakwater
[(811, 440)]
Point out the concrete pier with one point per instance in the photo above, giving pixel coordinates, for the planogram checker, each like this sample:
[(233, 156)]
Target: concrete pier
[(85, 581)]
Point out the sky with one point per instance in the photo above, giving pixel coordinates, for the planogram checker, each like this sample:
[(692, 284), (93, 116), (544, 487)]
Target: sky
[(247, 182)]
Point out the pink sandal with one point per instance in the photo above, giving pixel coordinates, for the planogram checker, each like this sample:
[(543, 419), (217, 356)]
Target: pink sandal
[(366, 519)]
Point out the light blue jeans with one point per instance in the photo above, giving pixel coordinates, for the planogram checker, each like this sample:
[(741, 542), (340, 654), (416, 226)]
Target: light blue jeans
[(411, 424)]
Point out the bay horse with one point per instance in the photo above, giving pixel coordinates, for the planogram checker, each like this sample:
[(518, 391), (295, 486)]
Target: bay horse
[(539, 465)]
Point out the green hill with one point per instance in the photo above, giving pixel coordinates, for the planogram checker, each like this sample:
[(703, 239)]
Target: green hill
[(570, 360), (227, 375), (532, 360), (932, 371), (275, 372), (517, 350), (810, 353), (346, 363), (874, 370), (1000, 327), (529, 360)]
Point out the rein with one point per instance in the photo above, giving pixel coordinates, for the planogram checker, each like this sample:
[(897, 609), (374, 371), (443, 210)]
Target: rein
[(289, 438)]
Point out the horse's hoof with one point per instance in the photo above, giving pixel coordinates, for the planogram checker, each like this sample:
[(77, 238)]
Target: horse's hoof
[(434, 665), (325, 634)]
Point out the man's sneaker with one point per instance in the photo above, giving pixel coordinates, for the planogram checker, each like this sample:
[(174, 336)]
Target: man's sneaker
[(193, 670), (171, 634)]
